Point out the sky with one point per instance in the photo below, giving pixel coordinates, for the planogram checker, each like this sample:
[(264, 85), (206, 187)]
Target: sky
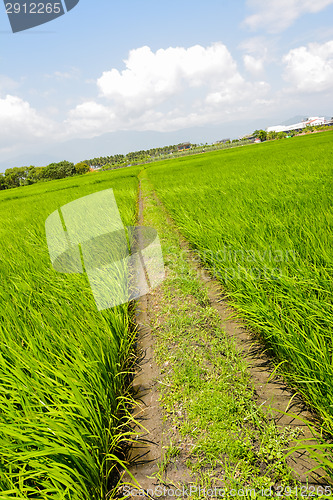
[(112, 77)]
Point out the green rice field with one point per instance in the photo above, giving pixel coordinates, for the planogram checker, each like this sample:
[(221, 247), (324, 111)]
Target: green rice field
[(63, 365), (261, 219)]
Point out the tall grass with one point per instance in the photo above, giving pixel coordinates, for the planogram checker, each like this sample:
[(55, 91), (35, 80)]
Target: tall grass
[(62, 364), (261, 218)]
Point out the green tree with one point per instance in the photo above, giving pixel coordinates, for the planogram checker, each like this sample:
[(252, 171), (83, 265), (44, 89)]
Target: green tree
[(271, 135), (2, 182), (16, 176), (81, 168), (262, 135), (35, 174), (59, 170)]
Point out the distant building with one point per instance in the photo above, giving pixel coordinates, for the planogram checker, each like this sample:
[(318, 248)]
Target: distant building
[(184, 146), (222, 141), (312, 121), (248, 137)]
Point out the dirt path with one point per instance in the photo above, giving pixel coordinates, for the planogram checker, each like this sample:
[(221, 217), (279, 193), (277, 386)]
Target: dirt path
[(153, 464), (146, 451)]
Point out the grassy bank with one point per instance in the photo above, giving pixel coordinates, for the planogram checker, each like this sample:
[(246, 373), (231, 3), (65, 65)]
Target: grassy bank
[(260, 218), (62, 364)]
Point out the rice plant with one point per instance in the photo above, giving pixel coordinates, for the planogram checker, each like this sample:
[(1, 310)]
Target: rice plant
[(63, 365), (260, 217)]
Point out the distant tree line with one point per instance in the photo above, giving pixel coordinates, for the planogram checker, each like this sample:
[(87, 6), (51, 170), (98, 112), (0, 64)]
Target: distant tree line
[(120, 160), (23, 176)]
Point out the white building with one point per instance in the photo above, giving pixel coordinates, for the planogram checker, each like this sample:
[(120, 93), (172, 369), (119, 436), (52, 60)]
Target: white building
[(312, 121)]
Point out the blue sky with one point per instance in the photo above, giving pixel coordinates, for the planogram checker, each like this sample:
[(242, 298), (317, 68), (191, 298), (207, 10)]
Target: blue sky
[(152, 70)]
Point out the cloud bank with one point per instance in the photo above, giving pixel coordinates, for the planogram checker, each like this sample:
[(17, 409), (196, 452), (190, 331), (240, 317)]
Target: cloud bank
[(171, 89), (168, 89)]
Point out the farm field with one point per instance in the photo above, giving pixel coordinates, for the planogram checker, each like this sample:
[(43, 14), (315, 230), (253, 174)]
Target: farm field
[(260, 217), (63, 364)]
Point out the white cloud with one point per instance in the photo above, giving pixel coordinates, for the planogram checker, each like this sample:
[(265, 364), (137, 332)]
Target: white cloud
[(256, 45), (167, 90), (89, 117), (20, 124), (310, 69), (151, 78), (253, 65), (258, 51), (16, 115), (7, 84), (72, 74), (277, 15), (240, 92)]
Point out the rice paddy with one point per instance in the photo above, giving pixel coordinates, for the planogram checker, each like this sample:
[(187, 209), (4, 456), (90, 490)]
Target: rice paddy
[(259, 217), (63, 365)]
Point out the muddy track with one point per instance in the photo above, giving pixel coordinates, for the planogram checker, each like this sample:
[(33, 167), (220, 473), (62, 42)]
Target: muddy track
[(146, 450), (271, 391)]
